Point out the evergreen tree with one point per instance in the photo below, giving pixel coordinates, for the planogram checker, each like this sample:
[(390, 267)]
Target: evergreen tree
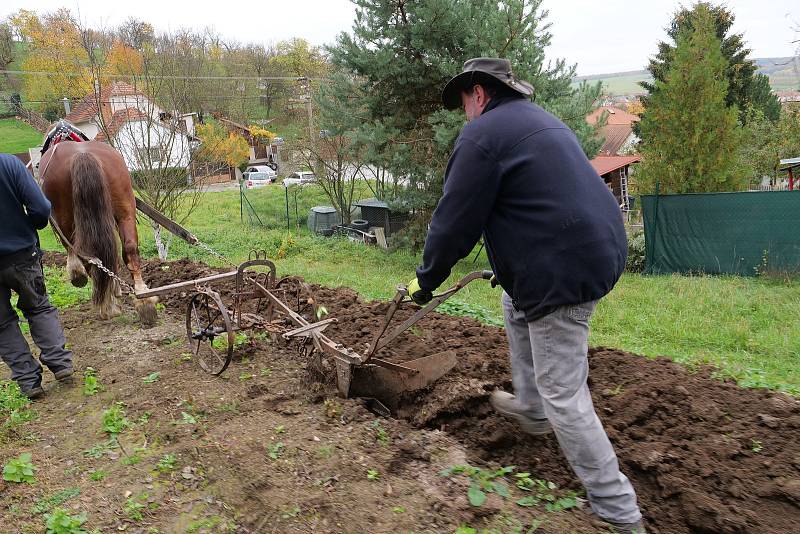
[(740, 71), (400, 55), (692, 138)]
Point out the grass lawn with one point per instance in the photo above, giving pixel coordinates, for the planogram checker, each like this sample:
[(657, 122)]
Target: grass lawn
[(748, 326), (16, 136)]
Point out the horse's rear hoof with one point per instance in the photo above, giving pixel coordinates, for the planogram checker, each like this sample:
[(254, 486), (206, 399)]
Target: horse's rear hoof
[(146, 310), (79, 281)]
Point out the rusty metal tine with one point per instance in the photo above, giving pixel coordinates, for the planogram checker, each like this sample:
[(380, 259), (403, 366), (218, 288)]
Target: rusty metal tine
[(395, 304), (438, 299)]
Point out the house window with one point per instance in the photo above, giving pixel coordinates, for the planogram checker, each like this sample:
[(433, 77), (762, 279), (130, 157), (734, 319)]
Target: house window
[(152, 154)]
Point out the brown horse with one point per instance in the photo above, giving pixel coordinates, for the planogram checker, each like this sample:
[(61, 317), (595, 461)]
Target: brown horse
[(90, 189)]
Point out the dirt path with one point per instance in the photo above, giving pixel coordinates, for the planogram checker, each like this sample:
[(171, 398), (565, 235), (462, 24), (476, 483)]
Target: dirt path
[(264, 449)]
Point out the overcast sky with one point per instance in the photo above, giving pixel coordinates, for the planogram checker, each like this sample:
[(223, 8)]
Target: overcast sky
[(600, 36)]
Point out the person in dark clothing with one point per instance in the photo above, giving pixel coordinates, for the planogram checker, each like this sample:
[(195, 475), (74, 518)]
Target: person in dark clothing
[(556, 242), (26, 210)]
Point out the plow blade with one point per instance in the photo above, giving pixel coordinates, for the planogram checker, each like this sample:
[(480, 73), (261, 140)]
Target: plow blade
[(388, 384)]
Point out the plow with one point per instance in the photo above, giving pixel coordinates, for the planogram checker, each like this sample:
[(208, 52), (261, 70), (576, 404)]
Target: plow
[(287, 307)]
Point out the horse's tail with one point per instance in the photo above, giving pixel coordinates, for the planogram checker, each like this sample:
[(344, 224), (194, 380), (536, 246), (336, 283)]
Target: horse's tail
[(94, 222)]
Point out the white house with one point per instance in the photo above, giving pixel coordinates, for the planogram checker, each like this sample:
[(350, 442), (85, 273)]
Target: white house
[(146, 135)]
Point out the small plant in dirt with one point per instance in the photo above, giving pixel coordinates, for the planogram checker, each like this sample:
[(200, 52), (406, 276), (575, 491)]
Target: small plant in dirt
[(399, 510), (325, 451), (291, 513), (332, 409), (166, 463), (115, 420), (266, 372), (213, 523), (187, 419), (60, 522), (97, 475), (274, 450), (91, 384), (483, 481), (144, 419), (280, 429), (756, 446), (20, 469), (152, 378), (133, 507), (230, 407), (14, 407), (45, 504), (184, 357), (381, 436), (99, 449), (245, 376), (543, 491), (373, 474)]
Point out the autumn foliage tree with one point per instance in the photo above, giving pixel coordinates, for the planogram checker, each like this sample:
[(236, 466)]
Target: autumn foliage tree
[(218, 145)]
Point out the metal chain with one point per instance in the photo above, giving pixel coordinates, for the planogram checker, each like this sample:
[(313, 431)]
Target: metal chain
[(129, 290), (213, 252)]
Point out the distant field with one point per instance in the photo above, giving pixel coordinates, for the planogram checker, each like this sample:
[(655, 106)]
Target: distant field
[(16, 136), (784, 75)]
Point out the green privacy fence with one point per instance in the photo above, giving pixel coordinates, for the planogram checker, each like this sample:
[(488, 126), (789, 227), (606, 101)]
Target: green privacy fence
[(723, 233)]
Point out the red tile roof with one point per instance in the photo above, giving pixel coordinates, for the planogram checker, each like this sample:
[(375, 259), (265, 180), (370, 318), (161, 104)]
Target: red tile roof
[(118, 120), (616, 116), (615, 136), (87, 108), (606, 164)]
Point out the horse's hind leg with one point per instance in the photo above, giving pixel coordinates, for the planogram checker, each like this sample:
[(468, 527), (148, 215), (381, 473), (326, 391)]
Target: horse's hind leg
[(145, 308)]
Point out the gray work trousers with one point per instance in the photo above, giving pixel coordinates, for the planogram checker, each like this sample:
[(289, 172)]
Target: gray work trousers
[(549, 368), (26, 279)]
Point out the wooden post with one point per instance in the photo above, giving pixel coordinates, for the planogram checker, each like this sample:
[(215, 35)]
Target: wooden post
[(791, 180)]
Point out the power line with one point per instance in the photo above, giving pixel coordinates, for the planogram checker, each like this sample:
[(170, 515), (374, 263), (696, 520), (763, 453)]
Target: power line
[(167, 77)]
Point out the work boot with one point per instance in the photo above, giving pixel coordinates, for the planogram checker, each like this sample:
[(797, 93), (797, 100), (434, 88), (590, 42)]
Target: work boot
[(34, 393), (506, 405), (628, 528), (64, 373)]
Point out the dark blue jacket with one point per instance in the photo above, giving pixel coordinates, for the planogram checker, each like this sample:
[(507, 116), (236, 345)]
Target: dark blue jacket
[(23, 207), (552, 229)]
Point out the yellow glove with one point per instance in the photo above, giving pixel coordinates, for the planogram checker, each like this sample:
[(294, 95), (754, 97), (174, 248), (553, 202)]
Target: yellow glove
[(417, 294)]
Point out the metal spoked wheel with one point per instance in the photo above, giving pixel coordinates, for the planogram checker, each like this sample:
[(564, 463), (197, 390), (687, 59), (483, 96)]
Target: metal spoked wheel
[(210, 333)]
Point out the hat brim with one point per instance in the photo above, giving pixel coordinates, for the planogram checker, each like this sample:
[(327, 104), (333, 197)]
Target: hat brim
[(451, 94)]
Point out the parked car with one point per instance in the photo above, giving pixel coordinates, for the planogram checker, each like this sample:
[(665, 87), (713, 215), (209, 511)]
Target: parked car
[(257, 179), (262, 168), (299, 178)]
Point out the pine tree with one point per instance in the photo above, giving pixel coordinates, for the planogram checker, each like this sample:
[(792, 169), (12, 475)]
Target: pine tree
[(692, 136), (740, 71), (401, 54)]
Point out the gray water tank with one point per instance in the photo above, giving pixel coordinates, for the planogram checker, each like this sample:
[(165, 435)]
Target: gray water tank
[(322, 218)]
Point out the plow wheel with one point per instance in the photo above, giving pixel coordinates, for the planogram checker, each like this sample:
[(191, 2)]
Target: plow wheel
[(210, 333), (299, 297)]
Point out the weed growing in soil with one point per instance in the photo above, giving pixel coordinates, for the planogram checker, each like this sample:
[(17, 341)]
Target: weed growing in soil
[(166, 463), (230, 407), (60, 522), (214, 523), (373, 474), (45, 504), (381, 435), (97, 475), (14, 407), (756, 446), (280, 429), (151, 378), (266, 372), (398, 510), (275, 450), (325, 451), (20, 469), (98, 450), (291, 513), (91, 385), (483, 481), (187, 419), (115, 420), (133, 507)]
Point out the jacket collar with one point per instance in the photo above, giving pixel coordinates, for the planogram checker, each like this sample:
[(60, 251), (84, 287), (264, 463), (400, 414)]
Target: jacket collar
[(495, 102)]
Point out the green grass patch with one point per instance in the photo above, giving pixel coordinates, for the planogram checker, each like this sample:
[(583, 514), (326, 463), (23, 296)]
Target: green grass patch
[(744, 325), (17, 136)]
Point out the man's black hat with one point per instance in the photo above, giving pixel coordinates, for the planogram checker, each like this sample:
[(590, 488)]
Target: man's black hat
[(478, 68)]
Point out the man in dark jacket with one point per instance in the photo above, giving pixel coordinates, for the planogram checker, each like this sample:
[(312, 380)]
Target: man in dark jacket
[(25, 210), (556, 242)]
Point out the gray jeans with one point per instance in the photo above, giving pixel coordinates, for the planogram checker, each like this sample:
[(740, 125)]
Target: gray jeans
[(549, 368), (26, 279)]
